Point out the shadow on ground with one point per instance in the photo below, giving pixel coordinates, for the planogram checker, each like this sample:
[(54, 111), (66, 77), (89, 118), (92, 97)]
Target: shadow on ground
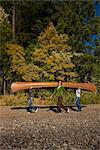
[(50, 108)]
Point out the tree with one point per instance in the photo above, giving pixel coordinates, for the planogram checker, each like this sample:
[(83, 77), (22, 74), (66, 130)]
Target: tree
[(51, 58), (78, 20), (85, 67), (5, 28), (19, 68), (5, 35), (97, 65), (53, 55), (72, 18)]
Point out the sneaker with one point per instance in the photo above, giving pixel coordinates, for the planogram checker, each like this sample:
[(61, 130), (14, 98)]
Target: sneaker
[(81, 108), (36, 110), (68, 111)]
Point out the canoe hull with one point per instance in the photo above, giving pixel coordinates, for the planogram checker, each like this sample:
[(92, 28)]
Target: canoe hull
[(18, 86)]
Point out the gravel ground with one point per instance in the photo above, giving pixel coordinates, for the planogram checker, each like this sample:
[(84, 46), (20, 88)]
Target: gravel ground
[(47, 130)]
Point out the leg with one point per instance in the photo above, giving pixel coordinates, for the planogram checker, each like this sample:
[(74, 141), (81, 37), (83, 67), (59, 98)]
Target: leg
[(78, 103), (30, 101), (59, 104), (30, 106)]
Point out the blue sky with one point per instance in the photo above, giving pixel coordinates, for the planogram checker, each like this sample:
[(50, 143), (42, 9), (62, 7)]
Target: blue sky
[(97, 9), (94, 37)]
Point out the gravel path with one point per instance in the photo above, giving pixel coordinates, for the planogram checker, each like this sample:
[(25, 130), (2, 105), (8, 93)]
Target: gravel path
[(47, 130)]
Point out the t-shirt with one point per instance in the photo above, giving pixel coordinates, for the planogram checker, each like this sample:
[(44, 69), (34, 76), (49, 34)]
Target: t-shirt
[(78, 92), (60, 91)]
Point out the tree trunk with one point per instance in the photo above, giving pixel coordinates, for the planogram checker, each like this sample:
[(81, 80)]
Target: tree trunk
[(4, 85), (13, 19)]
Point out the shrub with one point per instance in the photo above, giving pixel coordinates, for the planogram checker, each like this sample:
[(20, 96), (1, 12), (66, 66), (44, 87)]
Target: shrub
[(20, 99), (90, 98), (13, 100)]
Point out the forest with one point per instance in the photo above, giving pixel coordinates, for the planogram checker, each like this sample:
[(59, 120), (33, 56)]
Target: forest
[(49, 41)]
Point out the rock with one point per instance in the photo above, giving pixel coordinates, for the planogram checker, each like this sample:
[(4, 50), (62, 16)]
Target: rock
[(50, 131)]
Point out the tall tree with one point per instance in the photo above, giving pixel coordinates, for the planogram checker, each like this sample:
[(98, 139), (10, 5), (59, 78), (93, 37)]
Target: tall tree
[(74, 18), (77, 19), (5, 35), (53, 55), (19, 68), (97, 55), (85, 67)]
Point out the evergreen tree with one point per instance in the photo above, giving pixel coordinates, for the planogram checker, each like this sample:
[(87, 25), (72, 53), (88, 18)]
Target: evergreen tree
[(53, 55), (5, 36)]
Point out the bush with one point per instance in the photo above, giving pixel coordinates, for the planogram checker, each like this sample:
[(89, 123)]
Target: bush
[(86, 98), (90, 98), (43, 93), (13, 100), (20, 99)]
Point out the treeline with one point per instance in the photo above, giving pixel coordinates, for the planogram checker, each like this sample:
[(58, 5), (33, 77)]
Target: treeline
[(48, 41)]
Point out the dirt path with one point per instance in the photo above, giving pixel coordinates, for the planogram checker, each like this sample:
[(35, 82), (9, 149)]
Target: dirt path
[(47, 130)]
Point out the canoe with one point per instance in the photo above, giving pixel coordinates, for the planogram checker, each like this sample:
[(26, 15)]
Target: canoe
[(18, 86)]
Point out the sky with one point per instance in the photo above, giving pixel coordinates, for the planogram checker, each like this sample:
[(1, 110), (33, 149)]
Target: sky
[(97, 9), (94, 37)]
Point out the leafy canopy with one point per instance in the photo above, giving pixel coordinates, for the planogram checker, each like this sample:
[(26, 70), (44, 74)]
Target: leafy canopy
[(53, 55)]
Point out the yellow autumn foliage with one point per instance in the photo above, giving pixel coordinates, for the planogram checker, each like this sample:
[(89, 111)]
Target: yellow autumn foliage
[(54, 56), (51, 58), (28, 72)]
